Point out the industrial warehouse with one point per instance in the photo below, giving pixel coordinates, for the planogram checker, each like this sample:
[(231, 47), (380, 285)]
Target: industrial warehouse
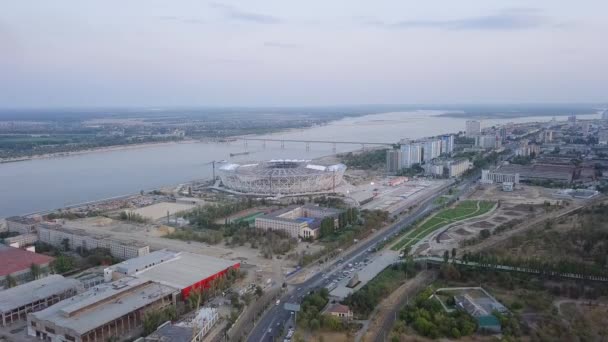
[(183, 271), (281, 177), (17, 302), (108, 311)]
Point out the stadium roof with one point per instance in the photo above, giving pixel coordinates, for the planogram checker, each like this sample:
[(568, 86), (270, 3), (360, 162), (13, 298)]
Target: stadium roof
[(15, 260), (42, 288)]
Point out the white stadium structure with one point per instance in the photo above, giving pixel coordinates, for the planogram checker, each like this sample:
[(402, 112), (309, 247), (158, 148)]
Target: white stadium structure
[(281, 177)]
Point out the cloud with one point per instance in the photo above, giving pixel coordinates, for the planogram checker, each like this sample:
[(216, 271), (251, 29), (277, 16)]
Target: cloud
[(279, 45), (185, 20), (242, 15), (508, 19)]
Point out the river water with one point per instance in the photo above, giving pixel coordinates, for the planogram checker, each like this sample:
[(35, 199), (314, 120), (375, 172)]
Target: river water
[(45, 184)]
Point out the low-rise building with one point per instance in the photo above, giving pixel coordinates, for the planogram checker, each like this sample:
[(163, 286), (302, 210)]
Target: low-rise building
[(298, 221), (457, 168), (496, 176), (193, 330), (21, 225), (16, 265), (21, 240), (56, 234), (181, 270), (111, 311), (17, 302), (339, 310)]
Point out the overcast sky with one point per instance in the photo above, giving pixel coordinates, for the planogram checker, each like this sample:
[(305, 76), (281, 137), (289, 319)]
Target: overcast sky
[(313, 52)]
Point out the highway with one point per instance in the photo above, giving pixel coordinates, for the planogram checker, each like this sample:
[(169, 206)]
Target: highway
[(267, 328)]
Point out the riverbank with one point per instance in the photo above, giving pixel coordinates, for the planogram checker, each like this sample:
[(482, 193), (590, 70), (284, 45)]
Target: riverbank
[(96, 150)]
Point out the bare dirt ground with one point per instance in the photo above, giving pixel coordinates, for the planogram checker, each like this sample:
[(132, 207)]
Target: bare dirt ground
[(527, 203)]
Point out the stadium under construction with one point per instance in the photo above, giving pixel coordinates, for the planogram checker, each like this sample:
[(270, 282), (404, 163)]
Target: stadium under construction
[(283, 177)]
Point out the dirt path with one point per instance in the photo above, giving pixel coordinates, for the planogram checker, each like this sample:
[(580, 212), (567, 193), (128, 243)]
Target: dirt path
[(385, 313), (495, 239)]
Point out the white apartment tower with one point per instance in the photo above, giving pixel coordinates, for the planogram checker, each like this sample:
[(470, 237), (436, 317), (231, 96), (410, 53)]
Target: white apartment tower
[(410, 154)]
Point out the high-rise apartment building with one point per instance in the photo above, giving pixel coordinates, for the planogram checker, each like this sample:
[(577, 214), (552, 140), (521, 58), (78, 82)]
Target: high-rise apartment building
[(447, 144), (411, 153), (393, 160), (473, 128), (432, 149)]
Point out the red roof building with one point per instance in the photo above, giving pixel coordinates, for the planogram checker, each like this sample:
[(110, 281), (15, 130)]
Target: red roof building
[(17, 262)]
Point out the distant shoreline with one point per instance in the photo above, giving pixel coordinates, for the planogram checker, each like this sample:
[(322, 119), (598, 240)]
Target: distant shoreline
[(517, 115), (94, 150)]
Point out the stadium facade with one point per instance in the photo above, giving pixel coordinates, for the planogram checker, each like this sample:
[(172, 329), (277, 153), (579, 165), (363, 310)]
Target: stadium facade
[(281, 177)]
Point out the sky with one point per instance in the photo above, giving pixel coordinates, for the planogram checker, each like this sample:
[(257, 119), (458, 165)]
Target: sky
[(301, 53)]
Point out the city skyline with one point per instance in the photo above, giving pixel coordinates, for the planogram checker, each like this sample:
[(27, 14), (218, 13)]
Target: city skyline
[(271, 53)]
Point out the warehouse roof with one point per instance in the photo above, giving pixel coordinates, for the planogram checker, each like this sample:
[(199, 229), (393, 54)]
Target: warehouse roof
[(103, 304), (35, 290), (134, 265), (15, 260), (185, 269)]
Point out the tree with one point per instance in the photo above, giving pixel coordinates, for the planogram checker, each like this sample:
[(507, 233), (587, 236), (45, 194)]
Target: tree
[(62, 264), (35, 271), (446, 256), (10, 281), (453, 253), (65, 243), (259, 291)]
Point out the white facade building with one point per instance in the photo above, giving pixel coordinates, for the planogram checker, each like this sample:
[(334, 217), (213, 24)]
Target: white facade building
[(411, 153), (447, 144), (55, 234), (490, 177), (432, 149)]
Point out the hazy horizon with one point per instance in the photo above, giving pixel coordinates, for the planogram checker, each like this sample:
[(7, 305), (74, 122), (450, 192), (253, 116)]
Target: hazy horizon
[(70, 54)]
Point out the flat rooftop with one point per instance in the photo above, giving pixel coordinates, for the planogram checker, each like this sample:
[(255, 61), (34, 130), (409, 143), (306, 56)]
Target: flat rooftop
[(35, 290), (184, 270), (103, 304), (14, 260)]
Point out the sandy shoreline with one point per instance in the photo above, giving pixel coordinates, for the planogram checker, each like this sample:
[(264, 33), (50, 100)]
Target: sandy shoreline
[(95, 150)]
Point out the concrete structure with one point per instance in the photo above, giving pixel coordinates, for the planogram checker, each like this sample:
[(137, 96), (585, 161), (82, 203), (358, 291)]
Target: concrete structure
[(183, 271), (17, 302), (431, 149), (339, 310), (298, 221), (528, 150), (603, 137), (281, 177), (55, 234), (487, 141), (393, 160), (507, 186), (489, 177), (411, 153), (458, 167), (432, 169), (540, 172), (473, 128), (108, 311), (186, 331), (18, 262), (547, 136), (21, 240), (21, 225), (447, 144)]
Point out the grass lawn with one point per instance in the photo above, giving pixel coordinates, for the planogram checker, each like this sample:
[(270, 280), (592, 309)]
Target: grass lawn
[(462, 211)]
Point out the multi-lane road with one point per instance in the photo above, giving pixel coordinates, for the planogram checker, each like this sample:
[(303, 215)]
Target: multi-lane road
[(269, 326)]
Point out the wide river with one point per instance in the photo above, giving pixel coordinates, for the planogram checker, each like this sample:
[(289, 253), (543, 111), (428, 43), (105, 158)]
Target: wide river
[(50, 183)]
